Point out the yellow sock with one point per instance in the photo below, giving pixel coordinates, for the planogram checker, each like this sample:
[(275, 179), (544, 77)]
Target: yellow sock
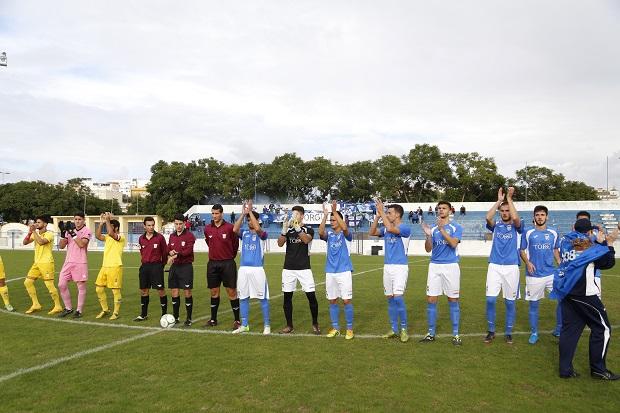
[(117, 300), (32, 292), (53, 292), (103, 299), (4, 292)]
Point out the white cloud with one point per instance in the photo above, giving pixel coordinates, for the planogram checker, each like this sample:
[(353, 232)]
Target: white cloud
[(128, 83)]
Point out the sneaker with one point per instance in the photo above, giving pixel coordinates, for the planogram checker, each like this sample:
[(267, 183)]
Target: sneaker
[(404, 336), (390, 334), (77, 314), (236, 325), (9, 308), (555, 333), (103, 313), (210, 323), (267, 330), (428, 338), (332, 333), (114, 316), (65, 313), (287, 330), (55, 310), (489, 337), (508, 339), (533, 338), (187, 323), (572, 375), (606, 375), (33, 309), (349, 335), (316, 330), (140, 318), (456, 340), (241, 329)]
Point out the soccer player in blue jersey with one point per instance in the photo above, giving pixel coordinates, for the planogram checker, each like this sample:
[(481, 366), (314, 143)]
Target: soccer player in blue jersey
[(338, 268), (444, 274), (539, 248), (396, 266), (251, 281), (503, 272)]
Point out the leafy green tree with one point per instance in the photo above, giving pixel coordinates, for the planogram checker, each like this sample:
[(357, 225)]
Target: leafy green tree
[(356, 181), (426, 172), (539, 183), (474, 178)]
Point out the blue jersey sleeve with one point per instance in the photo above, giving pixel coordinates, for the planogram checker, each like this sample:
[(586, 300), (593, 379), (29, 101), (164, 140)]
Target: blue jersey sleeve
[(405, 231), (241, 232), (524, 240), (458, 234), (381, 231), (349, 237), (490, 227)]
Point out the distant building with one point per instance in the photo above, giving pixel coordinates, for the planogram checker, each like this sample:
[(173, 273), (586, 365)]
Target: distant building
[(603, 193)]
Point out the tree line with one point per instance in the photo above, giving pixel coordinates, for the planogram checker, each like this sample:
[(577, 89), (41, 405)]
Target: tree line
[(424, 174)]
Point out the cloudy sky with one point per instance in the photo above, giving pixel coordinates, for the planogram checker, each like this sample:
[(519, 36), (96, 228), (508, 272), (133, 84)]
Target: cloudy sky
[(105, 89)]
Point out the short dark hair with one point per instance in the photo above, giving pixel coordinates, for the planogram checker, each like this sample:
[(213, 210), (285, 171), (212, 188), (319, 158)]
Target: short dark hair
[(539, 208), (503, 204), (218, 207), (44, 218), (148, 219), (399, 209), (115, 224), (255, 214), (79, 214), (339, 214), (299, 208), (179, 217), (445, 203), (582, 214)]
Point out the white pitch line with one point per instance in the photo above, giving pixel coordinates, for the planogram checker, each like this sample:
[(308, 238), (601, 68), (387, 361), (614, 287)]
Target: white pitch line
[(15, 279), (74, 356)]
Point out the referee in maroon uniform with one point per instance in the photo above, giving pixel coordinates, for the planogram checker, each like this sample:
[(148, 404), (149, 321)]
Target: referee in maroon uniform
[(221, 269), (181, 252), (154, 254)]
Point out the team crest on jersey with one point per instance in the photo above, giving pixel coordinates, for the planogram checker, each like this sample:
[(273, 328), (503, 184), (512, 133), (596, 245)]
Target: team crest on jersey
[(182, 243), (154, 245), (509, 227), (224, 236), (253, 237), (547, 237)]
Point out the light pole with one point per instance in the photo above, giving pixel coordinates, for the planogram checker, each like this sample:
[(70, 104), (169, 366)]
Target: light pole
[(4, 173), (607, 177), (526, 184)]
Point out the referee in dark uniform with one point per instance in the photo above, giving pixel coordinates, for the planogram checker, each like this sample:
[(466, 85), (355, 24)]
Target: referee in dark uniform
[(223, 244), (181, 276), (153, 255)]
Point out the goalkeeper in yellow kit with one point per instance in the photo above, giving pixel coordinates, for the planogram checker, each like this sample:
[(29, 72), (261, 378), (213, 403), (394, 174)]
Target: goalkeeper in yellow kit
[(4, 290), (43, 266), (111, 273)]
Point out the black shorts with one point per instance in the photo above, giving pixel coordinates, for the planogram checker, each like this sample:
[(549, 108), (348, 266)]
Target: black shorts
[(151, 276), (181, 276), (222, 272)]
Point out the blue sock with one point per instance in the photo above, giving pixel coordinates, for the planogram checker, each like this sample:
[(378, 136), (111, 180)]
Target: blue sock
[(491, 313), (264, 306), (431, 314), (455, 316), (534, 316), (244, 309), (334, 315), (348, 315), (393, 314), (511, 315), (402, 311), (558, 318)]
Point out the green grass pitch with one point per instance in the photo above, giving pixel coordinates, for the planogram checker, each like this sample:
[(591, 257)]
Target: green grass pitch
[(89, 365)]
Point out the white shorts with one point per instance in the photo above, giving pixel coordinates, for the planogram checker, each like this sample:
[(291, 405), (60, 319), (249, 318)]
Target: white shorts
[(535, 287), (252, 283), (505, 278), (339, 285), (395, 279), (443, 279), (290, 278)]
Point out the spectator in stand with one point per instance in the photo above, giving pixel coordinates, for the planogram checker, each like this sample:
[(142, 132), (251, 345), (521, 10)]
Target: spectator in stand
[(463, 210), (416, 218), (430, 210), (411, 216)]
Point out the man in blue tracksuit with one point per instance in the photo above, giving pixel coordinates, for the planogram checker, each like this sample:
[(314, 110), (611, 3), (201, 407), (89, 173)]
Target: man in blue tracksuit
[(574, 285)]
